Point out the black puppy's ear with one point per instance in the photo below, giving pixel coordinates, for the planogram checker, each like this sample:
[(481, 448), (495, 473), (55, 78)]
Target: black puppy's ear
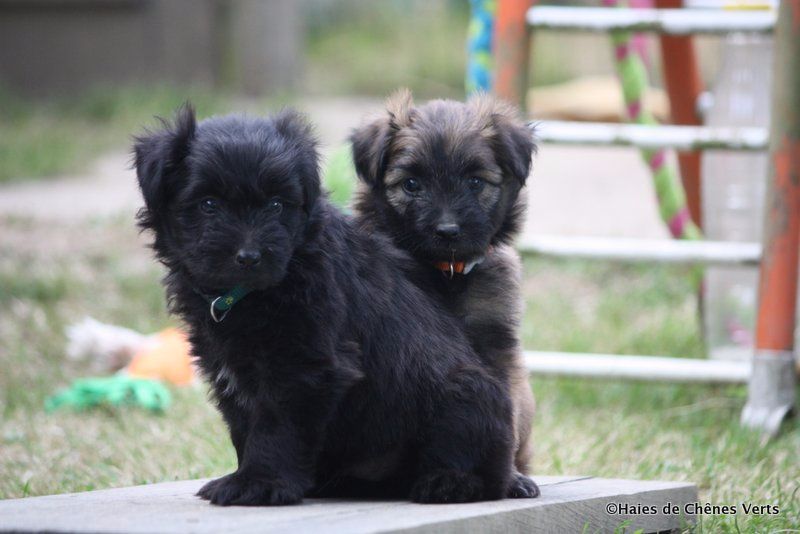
[(159, 161), (512, 139), (372, 143), (294, 126)]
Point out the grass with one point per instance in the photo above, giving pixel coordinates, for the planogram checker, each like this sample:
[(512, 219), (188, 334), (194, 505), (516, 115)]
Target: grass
[(603, 428), (47, 139), (62, 135), (641, 430), (372, 48)]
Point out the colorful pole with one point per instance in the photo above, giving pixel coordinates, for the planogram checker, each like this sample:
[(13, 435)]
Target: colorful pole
[(633, 76), (479, 46)]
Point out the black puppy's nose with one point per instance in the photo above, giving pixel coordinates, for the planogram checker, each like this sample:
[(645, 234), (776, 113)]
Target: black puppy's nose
[(247, 257), (448, 230)]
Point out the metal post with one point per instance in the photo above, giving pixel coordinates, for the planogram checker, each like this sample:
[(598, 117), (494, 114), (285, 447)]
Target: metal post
[(684, 86), (772, 384), (511, 51)]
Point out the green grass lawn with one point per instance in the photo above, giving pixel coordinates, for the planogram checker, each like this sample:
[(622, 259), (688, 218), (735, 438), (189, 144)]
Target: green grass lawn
[(605, 428), (372, 48), (62, 135)]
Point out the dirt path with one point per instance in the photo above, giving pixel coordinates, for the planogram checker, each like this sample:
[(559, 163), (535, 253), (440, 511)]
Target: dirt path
[(573, 191)]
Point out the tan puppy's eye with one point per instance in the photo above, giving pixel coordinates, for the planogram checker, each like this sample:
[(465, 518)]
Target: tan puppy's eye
[(476, 184), (411, 186)]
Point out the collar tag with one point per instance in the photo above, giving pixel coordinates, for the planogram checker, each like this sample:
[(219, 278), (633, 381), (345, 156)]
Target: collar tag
[(221, 305), (450, 268), (213, 310), (471, 265)]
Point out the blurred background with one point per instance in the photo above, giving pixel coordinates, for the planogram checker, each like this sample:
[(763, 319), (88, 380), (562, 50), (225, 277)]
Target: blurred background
[(78, 78)]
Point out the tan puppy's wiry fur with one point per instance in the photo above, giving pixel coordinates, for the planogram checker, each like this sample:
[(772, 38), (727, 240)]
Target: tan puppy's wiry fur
[(443, 180)]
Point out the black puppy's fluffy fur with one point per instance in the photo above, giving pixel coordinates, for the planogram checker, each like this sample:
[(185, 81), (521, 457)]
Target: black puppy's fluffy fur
[(335, 375), (443, 180)]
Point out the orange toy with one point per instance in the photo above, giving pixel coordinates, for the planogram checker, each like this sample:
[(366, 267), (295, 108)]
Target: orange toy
[(167, 357)]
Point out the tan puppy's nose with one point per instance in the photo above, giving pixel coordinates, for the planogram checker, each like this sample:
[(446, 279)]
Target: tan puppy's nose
[(449, 230)]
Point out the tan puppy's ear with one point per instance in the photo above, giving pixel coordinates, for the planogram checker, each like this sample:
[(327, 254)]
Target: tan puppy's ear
[(372, 143), (511, 138), (400, 106)]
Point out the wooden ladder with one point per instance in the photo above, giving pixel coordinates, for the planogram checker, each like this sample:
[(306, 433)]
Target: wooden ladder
[(771, 374)]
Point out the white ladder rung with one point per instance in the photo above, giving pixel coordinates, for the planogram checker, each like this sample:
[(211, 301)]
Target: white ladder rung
[(640, 250), (652, 368), (652, 137), (668, 21)]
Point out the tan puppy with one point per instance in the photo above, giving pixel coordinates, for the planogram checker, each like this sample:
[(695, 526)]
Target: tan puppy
[(443, 180)]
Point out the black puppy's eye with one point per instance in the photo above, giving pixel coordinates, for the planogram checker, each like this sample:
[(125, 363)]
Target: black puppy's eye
[(275, 205), (411, 185), (476, 184), (209, 205)]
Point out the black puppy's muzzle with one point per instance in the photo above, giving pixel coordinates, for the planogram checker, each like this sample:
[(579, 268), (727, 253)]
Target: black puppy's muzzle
[(248, 257)]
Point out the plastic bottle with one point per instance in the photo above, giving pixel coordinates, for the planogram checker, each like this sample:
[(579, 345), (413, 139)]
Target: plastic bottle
[(733, 192)]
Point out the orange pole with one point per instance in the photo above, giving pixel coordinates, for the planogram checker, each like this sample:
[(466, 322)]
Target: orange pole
[(778, 285), (511, 51), (772, 386), (684, 86)]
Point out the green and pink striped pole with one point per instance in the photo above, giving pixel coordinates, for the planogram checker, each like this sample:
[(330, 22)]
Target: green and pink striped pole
[(632, 72)]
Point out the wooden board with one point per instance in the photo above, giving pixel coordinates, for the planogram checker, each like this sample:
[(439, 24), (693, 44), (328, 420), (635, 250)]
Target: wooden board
[(567, 504)]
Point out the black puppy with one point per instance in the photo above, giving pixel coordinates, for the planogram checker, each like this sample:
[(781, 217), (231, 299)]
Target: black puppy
[(443, 180), (333, 372)]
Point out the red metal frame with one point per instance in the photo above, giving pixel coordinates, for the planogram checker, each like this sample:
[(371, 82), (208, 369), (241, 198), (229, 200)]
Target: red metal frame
[(684, 86), (511, 51), (779, 268), (772, 383), (681, 75)]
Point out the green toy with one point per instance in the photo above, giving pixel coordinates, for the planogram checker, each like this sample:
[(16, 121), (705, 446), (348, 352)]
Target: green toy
[(116, 391)]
